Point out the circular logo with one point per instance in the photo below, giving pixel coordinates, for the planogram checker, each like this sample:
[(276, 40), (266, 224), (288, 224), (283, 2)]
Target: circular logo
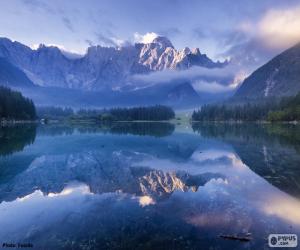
[(273, 240)]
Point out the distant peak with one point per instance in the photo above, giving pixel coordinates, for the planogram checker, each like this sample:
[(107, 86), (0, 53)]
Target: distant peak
[(164, 41), (196, 51), (186, 51), (42, 46), (48, 47)]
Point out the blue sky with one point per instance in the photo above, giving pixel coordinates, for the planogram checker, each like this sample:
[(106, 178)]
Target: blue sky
[(248, 31)]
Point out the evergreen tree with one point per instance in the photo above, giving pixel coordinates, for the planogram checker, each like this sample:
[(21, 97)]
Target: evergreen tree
[(153, 113), (14, 106), (288, 109)]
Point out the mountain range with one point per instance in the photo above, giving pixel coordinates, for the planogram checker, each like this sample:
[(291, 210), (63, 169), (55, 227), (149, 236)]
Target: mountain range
[(103, 76), (101, 68)]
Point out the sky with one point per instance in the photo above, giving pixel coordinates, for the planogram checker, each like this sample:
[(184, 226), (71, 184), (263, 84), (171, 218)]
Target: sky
[(247, 31)]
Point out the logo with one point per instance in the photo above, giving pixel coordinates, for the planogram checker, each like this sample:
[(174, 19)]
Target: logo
[(283, 240)]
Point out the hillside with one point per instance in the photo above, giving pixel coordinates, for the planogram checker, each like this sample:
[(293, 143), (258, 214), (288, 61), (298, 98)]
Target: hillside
[(277, 78), (12, 76), (285, 110)]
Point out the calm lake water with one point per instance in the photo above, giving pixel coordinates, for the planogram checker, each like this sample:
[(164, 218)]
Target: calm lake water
[(148, 185)]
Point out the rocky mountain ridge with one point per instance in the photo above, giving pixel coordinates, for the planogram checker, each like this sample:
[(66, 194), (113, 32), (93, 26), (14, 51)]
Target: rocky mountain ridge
[(101, 68)]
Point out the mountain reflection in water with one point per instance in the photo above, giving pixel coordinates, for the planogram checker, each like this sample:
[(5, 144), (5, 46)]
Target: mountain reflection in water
[(146, 186), (271, 151)]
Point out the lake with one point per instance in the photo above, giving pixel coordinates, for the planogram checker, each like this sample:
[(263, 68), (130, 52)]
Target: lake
[(148, 185)]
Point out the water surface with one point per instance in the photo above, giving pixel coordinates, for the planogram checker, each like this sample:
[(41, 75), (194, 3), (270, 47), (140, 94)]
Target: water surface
[(148, 185)]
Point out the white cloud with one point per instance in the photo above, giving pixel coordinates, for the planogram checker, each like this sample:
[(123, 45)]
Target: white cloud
[(277, 29), (120, 42), (215, 87), (246, 27), (212, 87), (239, 78), (203, 79), (280, 28), (191, 73), (146, 38), (254, 42)]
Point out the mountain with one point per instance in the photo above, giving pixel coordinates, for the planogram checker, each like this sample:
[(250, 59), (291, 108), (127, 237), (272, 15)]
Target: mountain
[(183, 94), (13, 76), (160, 54), (177, 95), (277, 78), (111, 176), (101, 68)]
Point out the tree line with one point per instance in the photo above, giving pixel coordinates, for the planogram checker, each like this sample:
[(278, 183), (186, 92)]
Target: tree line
[(287, 109), (14, 106), (151, 113)]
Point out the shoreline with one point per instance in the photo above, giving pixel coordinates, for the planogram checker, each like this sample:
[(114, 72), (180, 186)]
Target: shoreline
[(255, 122), (12, 122), (173, 121)]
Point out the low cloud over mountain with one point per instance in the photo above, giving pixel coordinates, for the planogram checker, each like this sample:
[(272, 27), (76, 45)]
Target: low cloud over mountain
[(215, 80)]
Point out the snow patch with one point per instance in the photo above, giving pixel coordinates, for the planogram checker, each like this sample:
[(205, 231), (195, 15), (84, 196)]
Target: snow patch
[(270, 83)]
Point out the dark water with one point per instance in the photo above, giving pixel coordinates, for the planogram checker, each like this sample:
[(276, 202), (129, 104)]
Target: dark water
[(148, 185)]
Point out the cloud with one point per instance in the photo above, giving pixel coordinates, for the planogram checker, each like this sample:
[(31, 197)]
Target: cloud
[(192, 73), (248, 52), (254, 42), (217, 87), (34, 5), (203, 79), (146, 38), (67, 22), (170, 32), (280, 28), (258, 41), (105, 40), (89, 42), (108, 40), (212, 87), (200, 33)]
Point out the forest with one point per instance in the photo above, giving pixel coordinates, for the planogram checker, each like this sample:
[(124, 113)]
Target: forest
[(14, 106), (151, 113), (287, 109)]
